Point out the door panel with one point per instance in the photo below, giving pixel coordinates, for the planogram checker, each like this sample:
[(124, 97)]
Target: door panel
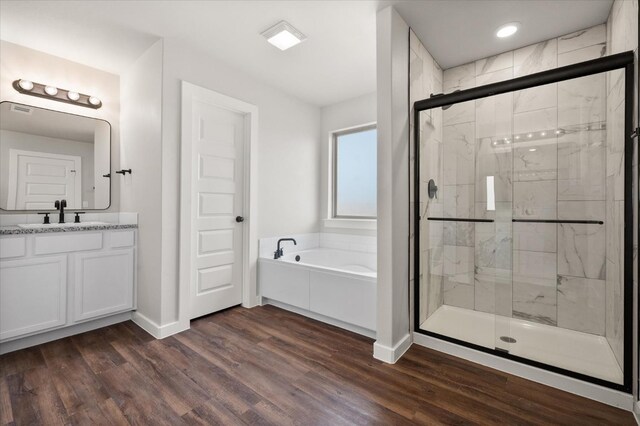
[(217, 140), (37, 179)]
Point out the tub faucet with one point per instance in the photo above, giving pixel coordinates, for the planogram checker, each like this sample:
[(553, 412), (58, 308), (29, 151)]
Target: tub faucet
[(278, 253)]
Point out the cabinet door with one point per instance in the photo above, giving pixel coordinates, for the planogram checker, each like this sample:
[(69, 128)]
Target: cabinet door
[(103, 283), (33, 295)]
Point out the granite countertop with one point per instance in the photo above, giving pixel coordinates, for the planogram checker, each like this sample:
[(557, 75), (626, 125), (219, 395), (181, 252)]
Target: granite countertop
[(15, 230)]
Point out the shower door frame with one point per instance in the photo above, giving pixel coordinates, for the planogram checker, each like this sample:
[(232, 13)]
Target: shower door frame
[(624, 60)]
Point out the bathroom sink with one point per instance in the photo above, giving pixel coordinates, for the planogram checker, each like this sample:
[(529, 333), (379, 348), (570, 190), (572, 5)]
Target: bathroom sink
[(59, 225)]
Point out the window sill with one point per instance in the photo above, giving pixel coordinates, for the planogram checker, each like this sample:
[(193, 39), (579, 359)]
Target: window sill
[(371, 224)]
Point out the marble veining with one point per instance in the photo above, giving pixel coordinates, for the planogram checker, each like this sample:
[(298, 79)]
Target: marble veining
[(535, 301), (494, 63), (581, 304), (581, 250), (536, 160), (535, 58), (535, 199), (582, 100), (581, 165), (582, 38)]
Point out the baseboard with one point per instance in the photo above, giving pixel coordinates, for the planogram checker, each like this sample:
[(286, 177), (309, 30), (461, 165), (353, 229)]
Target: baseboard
[(38, 339), (318, 317), (391, 355), (158, 331), (558, 381), (636, 412)]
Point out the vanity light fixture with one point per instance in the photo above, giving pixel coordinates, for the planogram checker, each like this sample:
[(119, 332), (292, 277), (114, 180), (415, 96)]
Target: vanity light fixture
[(507, 30), (283, 35), (27, 87)]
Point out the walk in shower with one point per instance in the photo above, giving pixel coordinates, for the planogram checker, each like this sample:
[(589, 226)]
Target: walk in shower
[(524, 213)]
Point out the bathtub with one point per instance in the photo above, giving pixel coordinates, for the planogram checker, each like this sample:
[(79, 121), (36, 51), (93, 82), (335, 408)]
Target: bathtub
[(330, 285)]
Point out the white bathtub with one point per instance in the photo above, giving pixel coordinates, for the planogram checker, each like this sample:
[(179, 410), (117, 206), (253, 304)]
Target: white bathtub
[(350, 262), (331, 285)]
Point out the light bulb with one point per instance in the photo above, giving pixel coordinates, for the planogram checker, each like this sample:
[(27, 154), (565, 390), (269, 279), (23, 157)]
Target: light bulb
[(74, 96), (94, 101), (25, 84), (50, 90)]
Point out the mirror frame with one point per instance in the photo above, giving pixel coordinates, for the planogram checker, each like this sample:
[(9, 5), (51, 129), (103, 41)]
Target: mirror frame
[(110, 157)]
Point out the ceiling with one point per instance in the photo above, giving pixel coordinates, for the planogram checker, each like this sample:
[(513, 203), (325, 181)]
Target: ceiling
[(335, 63), (48, 123)]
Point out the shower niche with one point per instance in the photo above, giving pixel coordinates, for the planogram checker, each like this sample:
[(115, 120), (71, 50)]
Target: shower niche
[(523, 190)]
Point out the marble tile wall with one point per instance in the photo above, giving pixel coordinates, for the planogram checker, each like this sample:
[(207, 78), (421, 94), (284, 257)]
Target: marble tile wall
[(547, 273), (426, 78), (622, 35)]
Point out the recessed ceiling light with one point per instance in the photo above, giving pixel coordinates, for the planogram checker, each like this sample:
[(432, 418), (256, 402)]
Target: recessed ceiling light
[(507, 30), (532, 149), (283, 35)]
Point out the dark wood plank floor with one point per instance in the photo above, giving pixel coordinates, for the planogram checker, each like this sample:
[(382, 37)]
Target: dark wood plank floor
[(267, 366)]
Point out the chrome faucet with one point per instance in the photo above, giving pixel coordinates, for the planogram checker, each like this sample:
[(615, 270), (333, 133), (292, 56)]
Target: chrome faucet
[(60, 205), (279, 253)]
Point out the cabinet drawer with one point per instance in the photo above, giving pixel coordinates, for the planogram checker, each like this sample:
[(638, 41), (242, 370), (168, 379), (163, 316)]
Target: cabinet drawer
[(13, 247), (33, 295), (73, 241), (103, 283)]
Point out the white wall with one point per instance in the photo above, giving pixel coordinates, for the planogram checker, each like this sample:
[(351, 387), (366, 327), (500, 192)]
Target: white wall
[(393, 185), (350, 113), (21, 62), (288, 155), (141, 192)]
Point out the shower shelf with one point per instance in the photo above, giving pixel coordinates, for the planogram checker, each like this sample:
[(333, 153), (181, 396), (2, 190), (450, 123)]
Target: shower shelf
[(586, 222), (456, 219)]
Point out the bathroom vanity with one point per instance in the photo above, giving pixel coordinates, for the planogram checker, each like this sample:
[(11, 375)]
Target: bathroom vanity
[(56, 281)]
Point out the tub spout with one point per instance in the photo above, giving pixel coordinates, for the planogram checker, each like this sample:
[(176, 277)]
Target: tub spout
[(278, 253)]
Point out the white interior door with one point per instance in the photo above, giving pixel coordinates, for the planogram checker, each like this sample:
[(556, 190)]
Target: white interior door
[(217, 162), (38, 179)]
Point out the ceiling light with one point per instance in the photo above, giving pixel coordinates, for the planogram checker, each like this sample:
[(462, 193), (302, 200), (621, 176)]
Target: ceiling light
[(507, 30), (50, 90), (530, 135), (74, 96), (25, 84), (283, 35), (532, 149), (94, 101), (543, 133)]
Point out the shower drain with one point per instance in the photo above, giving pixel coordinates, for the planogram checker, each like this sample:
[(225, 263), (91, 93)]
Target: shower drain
[(507, 339)]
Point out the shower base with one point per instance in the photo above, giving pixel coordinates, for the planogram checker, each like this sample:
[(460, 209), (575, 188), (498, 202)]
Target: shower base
[(571, 350)]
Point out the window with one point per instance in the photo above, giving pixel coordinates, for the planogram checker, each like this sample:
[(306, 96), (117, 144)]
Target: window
[(355, 173)]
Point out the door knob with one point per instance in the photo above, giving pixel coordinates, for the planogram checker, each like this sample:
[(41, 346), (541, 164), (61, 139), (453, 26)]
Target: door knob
[(239, 219)]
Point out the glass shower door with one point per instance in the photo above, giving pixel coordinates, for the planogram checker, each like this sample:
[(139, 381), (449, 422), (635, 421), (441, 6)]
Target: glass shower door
[(524, 198)]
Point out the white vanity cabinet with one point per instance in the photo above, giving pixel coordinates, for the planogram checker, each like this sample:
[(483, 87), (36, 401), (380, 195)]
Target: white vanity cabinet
[(57, 280)]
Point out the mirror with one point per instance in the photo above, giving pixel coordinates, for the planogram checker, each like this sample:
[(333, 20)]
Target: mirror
[(49, 155)]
